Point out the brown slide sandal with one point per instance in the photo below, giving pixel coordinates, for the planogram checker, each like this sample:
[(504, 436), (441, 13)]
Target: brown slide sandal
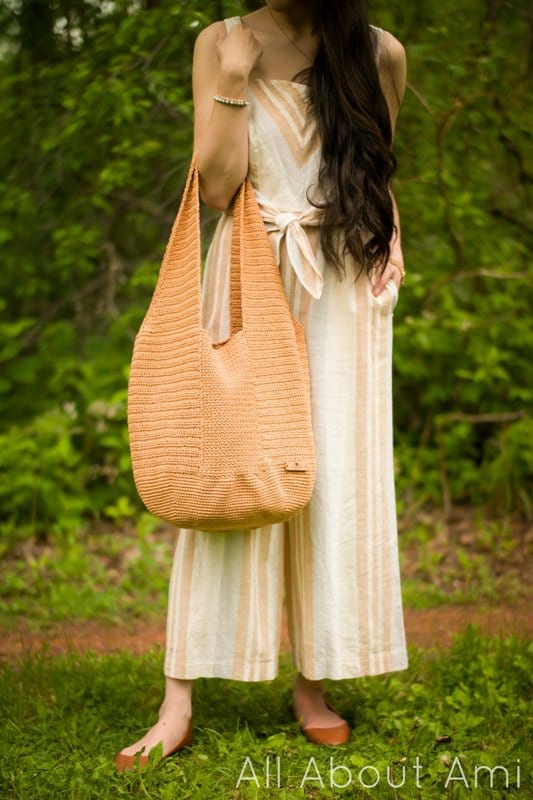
[(334, 736)]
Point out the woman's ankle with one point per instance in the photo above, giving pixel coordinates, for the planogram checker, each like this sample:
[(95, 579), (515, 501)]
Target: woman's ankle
[(178, 697), (308, 686)]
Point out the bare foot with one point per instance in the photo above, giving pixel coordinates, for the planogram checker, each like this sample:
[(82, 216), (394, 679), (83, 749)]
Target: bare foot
[(175, 714), (310, 706)]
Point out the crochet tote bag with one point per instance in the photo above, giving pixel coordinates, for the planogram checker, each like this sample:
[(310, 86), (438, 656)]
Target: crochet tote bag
[(221, 434)]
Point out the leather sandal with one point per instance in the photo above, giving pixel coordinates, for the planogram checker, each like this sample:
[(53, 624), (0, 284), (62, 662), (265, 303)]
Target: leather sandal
[(123, 761), (334, 736)]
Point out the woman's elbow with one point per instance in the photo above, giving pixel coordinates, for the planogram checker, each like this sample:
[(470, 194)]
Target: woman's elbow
[(212, 198), (221, 195), (216, 202)]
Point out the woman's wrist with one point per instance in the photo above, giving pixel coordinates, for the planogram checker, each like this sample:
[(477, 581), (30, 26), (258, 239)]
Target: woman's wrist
[(231, 83)]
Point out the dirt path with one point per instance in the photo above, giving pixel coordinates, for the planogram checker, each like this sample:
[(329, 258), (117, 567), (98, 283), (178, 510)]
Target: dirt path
[(433, 627)]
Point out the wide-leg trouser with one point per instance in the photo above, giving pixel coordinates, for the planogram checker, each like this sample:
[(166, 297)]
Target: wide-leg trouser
[(336, 563)]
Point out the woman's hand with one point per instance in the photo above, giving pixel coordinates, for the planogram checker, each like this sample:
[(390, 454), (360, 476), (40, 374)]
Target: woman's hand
[(238, 50), (390, 271)]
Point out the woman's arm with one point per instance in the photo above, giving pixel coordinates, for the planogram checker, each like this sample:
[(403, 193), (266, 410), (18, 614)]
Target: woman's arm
[(396, 241), (393, 80), (222, 63), (392, 74)]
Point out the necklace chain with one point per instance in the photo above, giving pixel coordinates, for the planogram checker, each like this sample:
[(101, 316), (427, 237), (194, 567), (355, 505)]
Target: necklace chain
[(287, 37)]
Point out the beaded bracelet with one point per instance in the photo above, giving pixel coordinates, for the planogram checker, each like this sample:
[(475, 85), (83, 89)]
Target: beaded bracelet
[(400, 267), (230, 101)]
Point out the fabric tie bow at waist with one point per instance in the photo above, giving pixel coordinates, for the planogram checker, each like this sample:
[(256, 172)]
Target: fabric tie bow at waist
[(299, 250)]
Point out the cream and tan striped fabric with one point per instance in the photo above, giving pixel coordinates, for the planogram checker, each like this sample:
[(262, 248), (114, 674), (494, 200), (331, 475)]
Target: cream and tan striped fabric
[(336, 563)]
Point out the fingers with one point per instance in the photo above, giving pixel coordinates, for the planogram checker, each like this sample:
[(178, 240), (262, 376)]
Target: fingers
[(390, 271)]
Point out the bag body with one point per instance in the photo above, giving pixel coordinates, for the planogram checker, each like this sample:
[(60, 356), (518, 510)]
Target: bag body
[(221, 434)]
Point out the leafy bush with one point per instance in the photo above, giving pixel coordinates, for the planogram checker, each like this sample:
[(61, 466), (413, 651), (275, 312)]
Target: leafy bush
[(96, 143)]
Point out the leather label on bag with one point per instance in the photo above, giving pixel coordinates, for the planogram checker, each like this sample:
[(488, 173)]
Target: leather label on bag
[(295, 466)]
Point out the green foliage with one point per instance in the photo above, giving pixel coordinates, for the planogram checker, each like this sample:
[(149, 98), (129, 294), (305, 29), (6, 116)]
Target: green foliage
[(96, 142), (84, 575), (463, 336)]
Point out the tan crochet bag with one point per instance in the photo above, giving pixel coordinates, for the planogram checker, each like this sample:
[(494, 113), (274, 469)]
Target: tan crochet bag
[(221, 434)]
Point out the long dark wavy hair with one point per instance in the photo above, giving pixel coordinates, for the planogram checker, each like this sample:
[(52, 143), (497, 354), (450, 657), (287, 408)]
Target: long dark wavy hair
[(357, 161)]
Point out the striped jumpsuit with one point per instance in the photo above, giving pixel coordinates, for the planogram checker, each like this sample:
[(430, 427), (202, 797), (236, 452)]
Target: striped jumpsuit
[(336, 563)]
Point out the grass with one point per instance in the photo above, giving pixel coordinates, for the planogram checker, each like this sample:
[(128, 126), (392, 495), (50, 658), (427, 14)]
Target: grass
[(101, 574), (64, 717), (119, 571), (466, 559)]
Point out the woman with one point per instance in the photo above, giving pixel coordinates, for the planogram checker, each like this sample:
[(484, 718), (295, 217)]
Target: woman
[(324, 89)]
